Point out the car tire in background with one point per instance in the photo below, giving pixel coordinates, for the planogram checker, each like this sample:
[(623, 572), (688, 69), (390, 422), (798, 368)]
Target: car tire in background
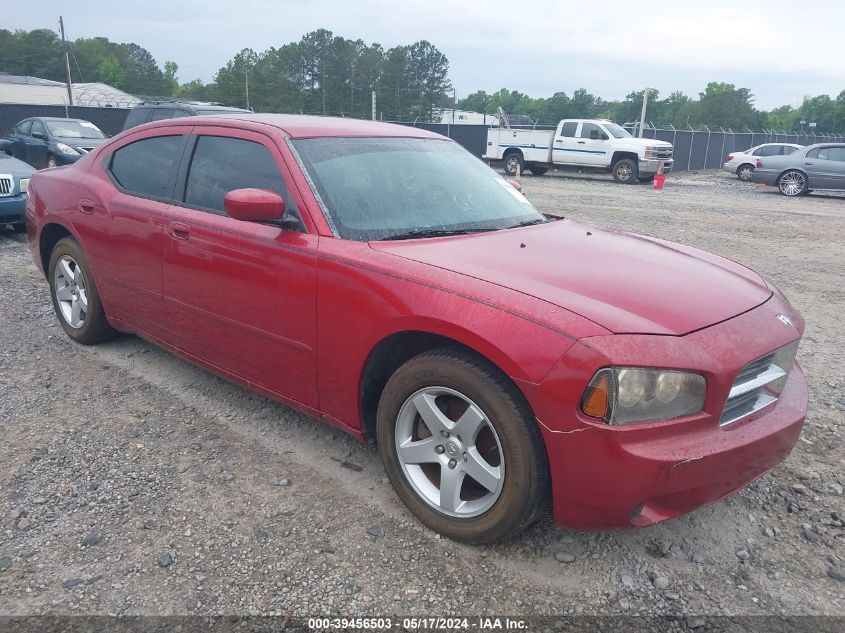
[(793, 182), (744, 172), (626, 171), (537, 169), (646, 179), (510, 163), (450, 416), (74, 294), (51, 161)]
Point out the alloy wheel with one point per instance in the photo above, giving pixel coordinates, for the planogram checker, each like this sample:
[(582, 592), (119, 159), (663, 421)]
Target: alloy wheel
[(71, 295), (792, 183), (449, 452)]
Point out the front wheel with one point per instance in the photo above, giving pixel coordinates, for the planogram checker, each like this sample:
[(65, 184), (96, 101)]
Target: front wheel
[(793, 183), (625, 171), (461, 447), (75, 297), (51, 162), (514, 162)]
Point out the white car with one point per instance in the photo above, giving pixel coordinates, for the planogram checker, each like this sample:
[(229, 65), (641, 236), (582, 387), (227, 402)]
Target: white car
[(743, 163)]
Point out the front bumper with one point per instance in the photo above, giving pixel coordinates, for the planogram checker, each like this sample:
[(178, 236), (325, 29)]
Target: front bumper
[(650, 166), (612, 477), (12, 209)]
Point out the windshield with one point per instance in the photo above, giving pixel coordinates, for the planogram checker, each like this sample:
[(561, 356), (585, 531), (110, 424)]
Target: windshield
[(385, 188), (74, 129), (616, 131)]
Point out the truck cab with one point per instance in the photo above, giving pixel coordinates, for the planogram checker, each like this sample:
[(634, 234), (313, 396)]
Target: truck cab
[(580, 144)]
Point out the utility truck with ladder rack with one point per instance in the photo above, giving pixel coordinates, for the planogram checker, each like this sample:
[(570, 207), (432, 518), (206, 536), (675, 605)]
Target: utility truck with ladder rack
[(595, 144)]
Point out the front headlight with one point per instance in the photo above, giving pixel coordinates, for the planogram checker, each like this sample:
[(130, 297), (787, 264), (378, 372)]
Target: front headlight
[(23, 183), (67, 149), (622, 395), (651, 152)]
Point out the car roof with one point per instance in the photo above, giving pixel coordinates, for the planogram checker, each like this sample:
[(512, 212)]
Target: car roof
[(308, 126)]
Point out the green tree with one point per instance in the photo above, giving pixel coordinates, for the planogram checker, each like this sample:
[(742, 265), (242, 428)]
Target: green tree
[(109, 72), (725, 105), (169, 76)]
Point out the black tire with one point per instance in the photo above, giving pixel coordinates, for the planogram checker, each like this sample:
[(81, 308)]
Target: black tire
[(646, 179), (744, 172), (537, 169), (793, 182), (524, 490), (51, 161), (626, 171), (510, 162), (94, 329)]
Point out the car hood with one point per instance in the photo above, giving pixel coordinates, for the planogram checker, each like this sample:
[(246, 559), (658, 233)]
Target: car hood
[(626, 283), (641, 142), (15, 167)]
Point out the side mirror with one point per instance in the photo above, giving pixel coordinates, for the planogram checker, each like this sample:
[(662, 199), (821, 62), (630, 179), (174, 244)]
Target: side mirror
[(40, 135), (594, 135), (254, 205)]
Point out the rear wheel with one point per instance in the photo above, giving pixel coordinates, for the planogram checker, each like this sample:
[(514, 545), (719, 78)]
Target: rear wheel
[(537, 169), (793, 183), (75, 297), (512, 162), (461, 447), (625, 171), (744, 172)]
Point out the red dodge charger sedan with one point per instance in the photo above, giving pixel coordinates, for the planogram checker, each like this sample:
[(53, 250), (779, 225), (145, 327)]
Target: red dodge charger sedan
[(381, 278)]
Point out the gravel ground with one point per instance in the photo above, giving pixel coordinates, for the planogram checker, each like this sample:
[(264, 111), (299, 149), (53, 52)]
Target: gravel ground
[(135, 483)]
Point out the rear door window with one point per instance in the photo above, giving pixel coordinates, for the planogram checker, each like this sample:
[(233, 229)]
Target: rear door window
[(160, 114), (24, 128), (221, 164), (569, 128), (147, 168), (137, 116)]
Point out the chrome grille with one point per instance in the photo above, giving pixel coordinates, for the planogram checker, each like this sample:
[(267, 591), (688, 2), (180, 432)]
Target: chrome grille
[(758, 384), (664, 153), (7, 185)]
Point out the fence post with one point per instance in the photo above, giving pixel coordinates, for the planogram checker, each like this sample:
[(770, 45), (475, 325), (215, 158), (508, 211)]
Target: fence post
[(691, 143), (706, 147)]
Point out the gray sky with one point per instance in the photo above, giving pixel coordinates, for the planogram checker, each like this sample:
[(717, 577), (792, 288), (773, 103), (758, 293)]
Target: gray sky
[(781, 50)]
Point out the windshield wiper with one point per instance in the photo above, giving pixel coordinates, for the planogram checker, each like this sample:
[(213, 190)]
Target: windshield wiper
[(421, 233), (529, 223)]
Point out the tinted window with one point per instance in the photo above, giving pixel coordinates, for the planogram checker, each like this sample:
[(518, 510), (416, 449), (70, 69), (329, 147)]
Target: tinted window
[(147, 167), (38, 128), (221, 164), (758, 151), (162, 113), (588, 128), (180, 113), (788, 149), (813, 153), (24, 128), (770, 150), (832, 153), (136, 117), (568, 129)]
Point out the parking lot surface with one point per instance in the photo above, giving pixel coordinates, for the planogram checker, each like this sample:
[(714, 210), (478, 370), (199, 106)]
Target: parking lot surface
[(135, 483)]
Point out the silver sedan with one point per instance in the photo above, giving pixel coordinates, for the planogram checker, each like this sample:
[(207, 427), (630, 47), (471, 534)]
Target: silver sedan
[(820, 166)]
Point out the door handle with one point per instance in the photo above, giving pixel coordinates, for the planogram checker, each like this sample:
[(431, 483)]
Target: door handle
[(557, 140), (86, 206), (180, 231), (581, 143), (807, 162)]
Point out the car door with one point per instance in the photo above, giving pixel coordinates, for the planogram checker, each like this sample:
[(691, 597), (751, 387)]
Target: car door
[(36, 145), (241, 296), (825, 167), (126, 234), (565, 144), (591, 145), (18, 138)]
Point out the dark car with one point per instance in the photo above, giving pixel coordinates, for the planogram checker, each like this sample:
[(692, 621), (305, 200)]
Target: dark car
[(48, 141), (159, 110), (819, 166), (14, 180)]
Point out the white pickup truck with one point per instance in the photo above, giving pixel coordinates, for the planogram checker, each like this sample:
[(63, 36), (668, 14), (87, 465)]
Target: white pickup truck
[(580, 144)]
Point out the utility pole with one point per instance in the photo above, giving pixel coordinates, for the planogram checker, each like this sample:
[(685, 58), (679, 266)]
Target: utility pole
[(642, 114), (67, 62), (374, 105), (246, 78), (454, 104)]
